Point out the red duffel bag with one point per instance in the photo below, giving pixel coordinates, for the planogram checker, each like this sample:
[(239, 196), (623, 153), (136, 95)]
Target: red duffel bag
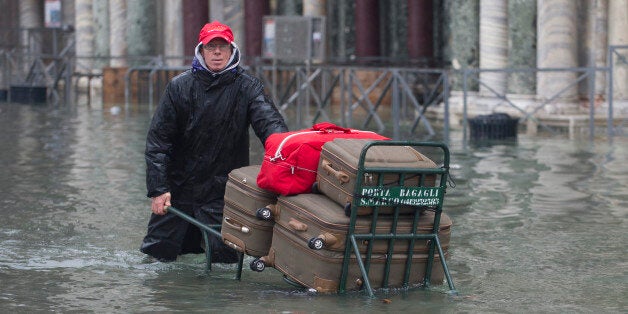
[(291, 158)]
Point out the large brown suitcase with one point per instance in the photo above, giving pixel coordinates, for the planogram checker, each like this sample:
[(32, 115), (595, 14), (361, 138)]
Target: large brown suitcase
[(318, 222), (321, 269), (338, 165), (242, 229)]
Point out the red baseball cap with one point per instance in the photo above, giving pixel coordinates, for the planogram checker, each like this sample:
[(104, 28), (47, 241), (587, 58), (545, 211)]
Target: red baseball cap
[(213, 30)]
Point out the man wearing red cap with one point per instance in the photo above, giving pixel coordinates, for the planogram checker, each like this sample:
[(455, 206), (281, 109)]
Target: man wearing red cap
[(198, 134)]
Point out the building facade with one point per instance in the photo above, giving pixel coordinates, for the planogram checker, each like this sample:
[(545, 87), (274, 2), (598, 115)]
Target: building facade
[(501, 38)]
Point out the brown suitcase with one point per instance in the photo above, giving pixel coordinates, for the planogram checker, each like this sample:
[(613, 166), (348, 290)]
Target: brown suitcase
[(318, 222), (321, 269), (241, 227), (338, 165)]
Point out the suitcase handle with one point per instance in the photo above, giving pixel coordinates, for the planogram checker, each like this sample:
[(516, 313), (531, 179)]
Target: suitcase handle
[(297, 225), (239, 227), (340, 175)]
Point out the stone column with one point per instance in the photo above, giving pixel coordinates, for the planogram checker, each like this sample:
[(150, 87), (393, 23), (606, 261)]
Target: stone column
[(367, 28), (461, 37), (195, 15), (173, 32), (597, 42), (254, 11), (557, 48), (340, 18), (493, 46), (522, 46), (141, 30), (31, 17), (233, 14), (84, 31), (101, 33), (618, 35), (420, 29), (117, 39)]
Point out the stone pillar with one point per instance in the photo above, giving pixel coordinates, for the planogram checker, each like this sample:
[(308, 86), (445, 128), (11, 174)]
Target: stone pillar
[(195, 15), (117, 39), (557, 48), (522, 46), (173, 32), (618, 35), (393, 34), (101, 33), (493, 46), (367, 28), (141, 30), (420, 29), (31, 17), (597, 42), (234, 17), (254, 11), (461, 35), (84, 30), (339, 28)]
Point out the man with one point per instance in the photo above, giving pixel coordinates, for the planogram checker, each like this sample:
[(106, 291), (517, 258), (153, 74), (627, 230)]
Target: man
[(199, 133)]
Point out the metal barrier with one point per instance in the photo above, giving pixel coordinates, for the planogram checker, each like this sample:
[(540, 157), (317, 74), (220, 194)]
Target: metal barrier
[(587, 73), (309, 90)]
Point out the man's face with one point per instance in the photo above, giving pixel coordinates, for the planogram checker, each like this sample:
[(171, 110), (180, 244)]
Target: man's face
[(216, 54)]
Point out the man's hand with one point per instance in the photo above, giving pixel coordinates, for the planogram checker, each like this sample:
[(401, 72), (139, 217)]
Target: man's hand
[(160, 204)]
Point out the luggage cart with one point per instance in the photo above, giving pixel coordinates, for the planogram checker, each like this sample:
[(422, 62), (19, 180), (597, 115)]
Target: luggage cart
[(378, 194), (206, 230), (422, 197)]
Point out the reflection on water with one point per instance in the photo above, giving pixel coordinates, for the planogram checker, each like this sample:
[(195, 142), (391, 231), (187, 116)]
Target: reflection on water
[(539, 226)]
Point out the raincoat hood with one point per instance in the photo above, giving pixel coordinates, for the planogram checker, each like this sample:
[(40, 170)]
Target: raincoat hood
[(198, 63)]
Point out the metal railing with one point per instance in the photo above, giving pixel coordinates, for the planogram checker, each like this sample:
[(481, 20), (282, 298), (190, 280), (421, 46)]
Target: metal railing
[(530, 112), (391, 100), (395, 101)]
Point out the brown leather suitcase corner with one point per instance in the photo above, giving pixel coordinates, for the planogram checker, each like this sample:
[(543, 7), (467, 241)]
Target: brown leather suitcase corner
[(338, 165), (241, 227)]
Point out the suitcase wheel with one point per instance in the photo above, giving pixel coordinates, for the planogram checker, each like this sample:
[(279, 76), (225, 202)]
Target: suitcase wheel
[(315, 188), (315, 243), (348, 209), (264, 213), (258, 265)]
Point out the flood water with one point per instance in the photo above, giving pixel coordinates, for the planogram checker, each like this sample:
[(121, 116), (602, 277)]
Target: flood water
[(540, 226)]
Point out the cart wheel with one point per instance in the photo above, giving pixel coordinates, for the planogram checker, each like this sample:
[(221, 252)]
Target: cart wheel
[(348, 210), (258, 265), (264, 213), (315, 243), (315, 188)]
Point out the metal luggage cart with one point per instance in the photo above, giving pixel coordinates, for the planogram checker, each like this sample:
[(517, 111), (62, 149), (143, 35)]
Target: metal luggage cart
[(422, 196), (206, 230)]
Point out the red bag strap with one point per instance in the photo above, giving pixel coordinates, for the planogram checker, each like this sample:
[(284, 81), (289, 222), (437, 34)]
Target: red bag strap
[(329, 127)]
